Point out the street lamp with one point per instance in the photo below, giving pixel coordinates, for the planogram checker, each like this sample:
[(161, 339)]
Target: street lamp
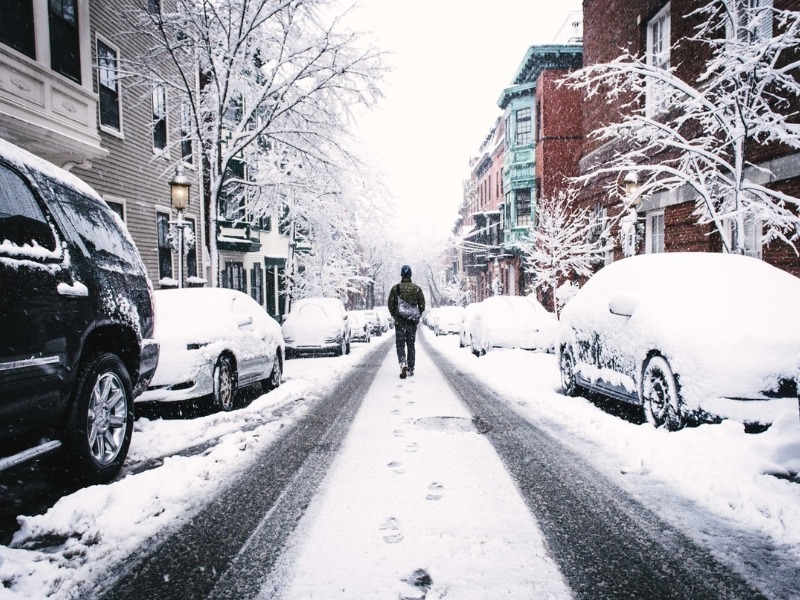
[(631, 183), (179, 195)]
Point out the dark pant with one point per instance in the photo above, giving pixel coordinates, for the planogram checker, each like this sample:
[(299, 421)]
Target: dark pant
[(405, 334)]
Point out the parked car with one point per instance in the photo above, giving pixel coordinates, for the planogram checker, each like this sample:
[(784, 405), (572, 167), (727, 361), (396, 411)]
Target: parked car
[(360, 330), (371, 316), (465, 330), (689, 336), (76, 307), (386, 317), (512, 322), (213, 341), (317, 325), (448, 320)]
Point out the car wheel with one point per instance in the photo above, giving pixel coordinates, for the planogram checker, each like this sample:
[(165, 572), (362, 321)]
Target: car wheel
[(100, 421), (274, 379), (566, 366), (661, 398), (224, 384)]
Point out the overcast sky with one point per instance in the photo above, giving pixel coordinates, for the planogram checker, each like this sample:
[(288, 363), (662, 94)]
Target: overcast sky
[(451, 60)]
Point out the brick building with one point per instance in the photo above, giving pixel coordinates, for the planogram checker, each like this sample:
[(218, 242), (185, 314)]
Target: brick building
[(666, 223)]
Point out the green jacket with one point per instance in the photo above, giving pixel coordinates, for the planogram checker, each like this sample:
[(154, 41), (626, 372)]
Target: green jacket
[(408, 291)]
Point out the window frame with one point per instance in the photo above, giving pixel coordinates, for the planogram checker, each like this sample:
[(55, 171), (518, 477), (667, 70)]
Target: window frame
[(59, 25), (766, 26), (661, 23), (99, 39), (21, 26), (523, 137), (162, 244), (158, 119), (655, 236)]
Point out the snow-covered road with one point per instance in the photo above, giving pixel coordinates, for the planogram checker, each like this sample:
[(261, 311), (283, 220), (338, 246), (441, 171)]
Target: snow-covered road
[(417, 490), (715, 483)]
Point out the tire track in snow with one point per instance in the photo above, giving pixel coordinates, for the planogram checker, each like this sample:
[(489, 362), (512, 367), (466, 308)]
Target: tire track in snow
[(607, 544)]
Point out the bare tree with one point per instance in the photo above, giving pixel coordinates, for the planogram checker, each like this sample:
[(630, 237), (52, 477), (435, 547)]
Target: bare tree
[(562, 247), (270, 84), (701, 134)]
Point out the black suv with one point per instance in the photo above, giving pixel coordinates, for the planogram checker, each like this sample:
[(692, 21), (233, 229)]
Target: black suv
[(76, 321)]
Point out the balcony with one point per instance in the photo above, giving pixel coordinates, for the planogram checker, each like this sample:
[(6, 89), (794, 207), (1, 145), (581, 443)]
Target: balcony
[(45, 113)]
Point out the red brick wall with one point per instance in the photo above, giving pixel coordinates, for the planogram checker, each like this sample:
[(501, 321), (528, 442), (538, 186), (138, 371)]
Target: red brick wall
[(559, 146), (609, 26)]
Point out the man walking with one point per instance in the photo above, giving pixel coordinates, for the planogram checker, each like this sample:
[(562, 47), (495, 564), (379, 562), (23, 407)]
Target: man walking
[(406, 304)]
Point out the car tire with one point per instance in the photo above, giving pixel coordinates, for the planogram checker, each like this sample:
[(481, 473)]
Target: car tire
[(274, 380), (566, 367), (224, 384), (660, 393), (100, 420)]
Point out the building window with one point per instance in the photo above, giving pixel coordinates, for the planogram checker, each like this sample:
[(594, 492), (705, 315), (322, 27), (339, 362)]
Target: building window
[(654, 234), (752, 233), (257, 284), (108, 85), (117, 207), (154, 6), (191, 253), (159, 117), (65, 55), (17, 27), (187, 152), (234, 277), (523, 207), (508, 131), (164, 249), (753, 20), (523, 126), (538, 117), (658, 56)]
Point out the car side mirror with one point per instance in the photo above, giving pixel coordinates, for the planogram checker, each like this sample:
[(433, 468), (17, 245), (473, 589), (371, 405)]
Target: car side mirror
[(622, 304)]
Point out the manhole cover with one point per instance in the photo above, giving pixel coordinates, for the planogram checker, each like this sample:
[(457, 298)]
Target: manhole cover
[(448, 424)]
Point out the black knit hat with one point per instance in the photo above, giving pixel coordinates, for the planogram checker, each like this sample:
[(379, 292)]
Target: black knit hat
[(405, 272)]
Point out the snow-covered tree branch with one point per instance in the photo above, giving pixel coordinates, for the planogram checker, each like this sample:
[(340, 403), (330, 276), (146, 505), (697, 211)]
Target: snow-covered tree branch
[(702, 135), (268, 84), (566, 243)]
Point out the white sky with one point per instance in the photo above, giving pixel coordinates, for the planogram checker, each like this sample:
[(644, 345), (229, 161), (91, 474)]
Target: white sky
[(451, 60)]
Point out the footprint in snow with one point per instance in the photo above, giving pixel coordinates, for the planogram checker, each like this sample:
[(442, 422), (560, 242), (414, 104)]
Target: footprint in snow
[(397, 411), (412, 447), (397, 396), (398, 433), (391, 529), (435, 491), (397, 467)]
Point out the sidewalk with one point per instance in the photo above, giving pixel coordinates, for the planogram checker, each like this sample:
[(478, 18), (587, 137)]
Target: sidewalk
[(416, 494)]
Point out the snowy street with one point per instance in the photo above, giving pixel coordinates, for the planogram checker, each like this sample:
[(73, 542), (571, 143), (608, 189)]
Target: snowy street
[(539, 495)]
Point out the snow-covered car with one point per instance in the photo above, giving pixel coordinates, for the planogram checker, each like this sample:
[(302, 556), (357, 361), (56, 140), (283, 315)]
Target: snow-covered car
[(448, 320), (465, 330), (374, 320), (360, 330), (76, 321), (386, 317), (213, 340), (689, 336), (512, 322), (317, 325)]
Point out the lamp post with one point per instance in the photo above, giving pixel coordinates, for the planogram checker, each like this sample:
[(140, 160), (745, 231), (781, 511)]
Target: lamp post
[(631, 182), (179, 196)]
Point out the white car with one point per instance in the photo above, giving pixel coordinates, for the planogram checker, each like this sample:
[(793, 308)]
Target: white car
[(360, 330), (448, 320), (689, 336), (213, 340), (512, 322), (465, 330), (317, 325), (373, 319)]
